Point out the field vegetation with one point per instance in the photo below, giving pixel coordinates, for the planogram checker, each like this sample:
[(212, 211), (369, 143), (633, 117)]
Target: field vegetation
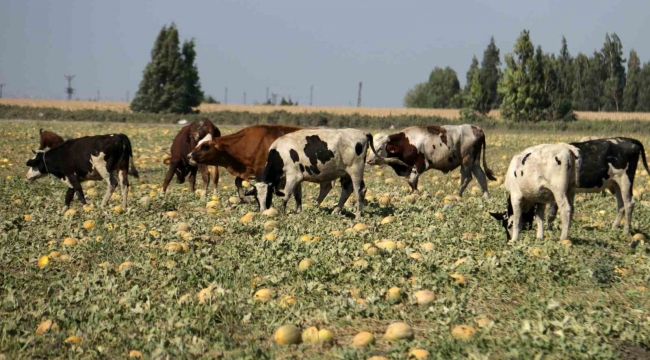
[(181, 277)]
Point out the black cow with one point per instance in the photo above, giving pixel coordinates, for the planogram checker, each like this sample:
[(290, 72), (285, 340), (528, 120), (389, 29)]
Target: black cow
[(609, 164), (88, 158)]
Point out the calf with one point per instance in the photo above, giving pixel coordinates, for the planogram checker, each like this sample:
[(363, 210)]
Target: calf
[(540, 175), (610, 164), (179, 164), (244, 153), (443, 148), (88, 158), (315, 155), (49, 139)]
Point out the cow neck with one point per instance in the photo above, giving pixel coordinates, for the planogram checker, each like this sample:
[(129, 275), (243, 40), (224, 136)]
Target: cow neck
[(53, 167)]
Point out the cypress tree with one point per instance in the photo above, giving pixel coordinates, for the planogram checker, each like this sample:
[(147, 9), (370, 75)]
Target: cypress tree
[(631, 92), (490, 74)]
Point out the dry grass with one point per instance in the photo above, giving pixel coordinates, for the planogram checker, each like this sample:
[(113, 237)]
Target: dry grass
[(260, 109)]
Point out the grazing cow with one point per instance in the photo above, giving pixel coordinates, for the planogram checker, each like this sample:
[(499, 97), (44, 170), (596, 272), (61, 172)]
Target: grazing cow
[(538, 176), (609, 164), (184, 142), (87, 158), (49, 139), (588, 138), (315, 155), (244, 153), (443, 148)]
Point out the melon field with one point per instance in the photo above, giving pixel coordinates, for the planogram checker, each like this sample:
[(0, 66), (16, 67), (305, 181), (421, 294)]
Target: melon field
[(185, 277)]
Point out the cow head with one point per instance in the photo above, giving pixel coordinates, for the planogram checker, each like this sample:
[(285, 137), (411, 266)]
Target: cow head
[(505, 218), (37, 168), (379, 142), (199, 130), (203, 152)]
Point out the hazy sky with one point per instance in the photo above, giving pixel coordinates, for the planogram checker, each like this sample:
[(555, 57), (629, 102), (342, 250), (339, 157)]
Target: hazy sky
[(290, 45)]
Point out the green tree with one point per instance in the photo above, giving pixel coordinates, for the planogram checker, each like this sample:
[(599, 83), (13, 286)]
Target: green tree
[(473, 69), (565, 71), (490, 74), (631, 92), (643, 100), (517, 87), (441, 91), (614, 84), (170, 82)]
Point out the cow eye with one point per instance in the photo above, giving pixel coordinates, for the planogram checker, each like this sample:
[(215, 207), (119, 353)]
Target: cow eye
[(204, 147)]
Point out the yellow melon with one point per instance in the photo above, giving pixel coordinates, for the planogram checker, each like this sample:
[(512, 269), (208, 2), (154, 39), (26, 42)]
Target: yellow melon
[(362, 339), (459, 279), (287, 335), (463, 332), (270, 237), (305, 264), (325, 337), (69, 241), (263, 295), (89, 224), (388, 220), (424, 297), (73, 340), (217, 229), (43, 261), (310, 335), (44, 327), (135, 354), (419, 354), (361, 264), (270, 212), (271, 225), (394, 295), (399, 331), (360, 226)]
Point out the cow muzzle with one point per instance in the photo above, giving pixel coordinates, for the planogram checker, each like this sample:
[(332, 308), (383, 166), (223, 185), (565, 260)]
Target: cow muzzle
[(191, 160)]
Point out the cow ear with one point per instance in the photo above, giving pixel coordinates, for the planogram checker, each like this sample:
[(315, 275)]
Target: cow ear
[(499, 216)]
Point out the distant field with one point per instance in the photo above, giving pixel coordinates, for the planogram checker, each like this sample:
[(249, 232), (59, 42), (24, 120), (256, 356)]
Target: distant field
[(379, 112)]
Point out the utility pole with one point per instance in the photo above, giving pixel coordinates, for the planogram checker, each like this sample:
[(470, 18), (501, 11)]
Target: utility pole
[(225, 98), (69, 90), (244, 97), (97, 95), (267, 94), (311, 95), (1, 86), (359, 98)]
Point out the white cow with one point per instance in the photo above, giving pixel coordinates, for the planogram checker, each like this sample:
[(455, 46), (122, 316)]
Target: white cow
[(315, 155), (538, 176)]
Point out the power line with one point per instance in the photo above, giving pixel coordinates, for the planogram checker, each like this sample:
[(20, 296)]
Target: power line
[(69, 90)]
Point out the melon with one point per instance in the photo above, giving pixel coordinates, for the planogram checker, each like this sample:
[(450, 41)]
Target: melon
[(182, 226), (118, 209), (384, 200), (424, 297), (310, 335), (89, 224), (336, 233), (263, 295), (288, 301), (145, 201), (271, 225), (427, 246), (44, 327), (463, 332), (459, 278), (394, 295), (360, 226), (69, 241), (217, 229), (248, 217), (361, 263), (73, 340), (417, 256), (362, 339), (287, 335), (270, 237), (233, 200), (325, 337), (270, 212), (399, 331), (171, 214), (419, 354), (305, 264), (125, 266), (135, 354), (388, 220)]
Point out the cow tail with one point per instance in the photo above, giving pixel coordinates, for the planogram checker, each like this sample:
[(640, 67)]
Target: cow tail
[(645, 164), (372, 144), (577, 164), (133, 171), (486, 169)]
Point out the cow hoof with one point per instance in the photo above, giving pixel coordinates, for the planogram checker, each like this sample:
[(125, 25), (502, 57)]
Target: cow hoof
[(486, 196), (245, 200), (336, 211)]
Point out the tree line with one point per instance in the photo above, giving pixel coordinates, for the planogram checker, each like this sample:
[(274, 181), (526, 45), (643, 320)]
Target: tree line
[(535, 85)]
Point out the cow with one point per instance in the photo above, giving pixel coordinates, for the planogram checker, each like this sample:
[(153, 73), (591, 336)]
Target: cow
[(315, 155), (87, 158), (588, 138), (443, 148), (179, 165), (243, 153), (538, 176), (609, 164), (49, 139)]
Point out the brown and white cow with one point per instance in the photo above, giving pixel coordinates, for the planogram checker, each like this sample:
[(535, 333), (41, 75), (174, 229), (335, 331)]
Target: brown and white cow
[(49, 139), (315, 155), (442, 148), (184, 142), (610, 164), (243, 153), (537, 176)]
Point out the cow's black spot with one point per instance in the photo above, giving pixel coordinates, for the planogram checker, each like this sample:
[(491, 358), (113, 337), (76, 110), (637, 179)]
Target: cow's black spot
[(316, 150), (451, 159), (302, 168), (558, 161), (523, 161), (434, 146), (515, 173), (522, 173), (294, 155), (308, 170), (358, 148), (599, 155)]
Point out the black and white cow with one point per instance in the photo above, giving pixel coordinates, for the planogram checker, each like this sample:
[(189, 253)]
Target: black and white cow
[(540, 175), (443, 148), (609, 164), (87, 158), (315, 155)]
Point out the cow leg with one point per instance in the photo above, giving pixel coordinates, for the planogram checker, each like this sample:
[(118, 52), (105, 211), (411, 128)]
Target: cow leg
[(620, 206), (325, 189), (205, 176), (76, 186), (123, 176), (192, 178), (111, 184), (565, 205), (346, 190), (516, 218), (465, 178), (240, 191), (214, 173), (297, 194), (482, 181), (69, 195), (413, 181), (359, 191), (289, 187), (552, 213), (169, 176), (539, 218), (628, 202)]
